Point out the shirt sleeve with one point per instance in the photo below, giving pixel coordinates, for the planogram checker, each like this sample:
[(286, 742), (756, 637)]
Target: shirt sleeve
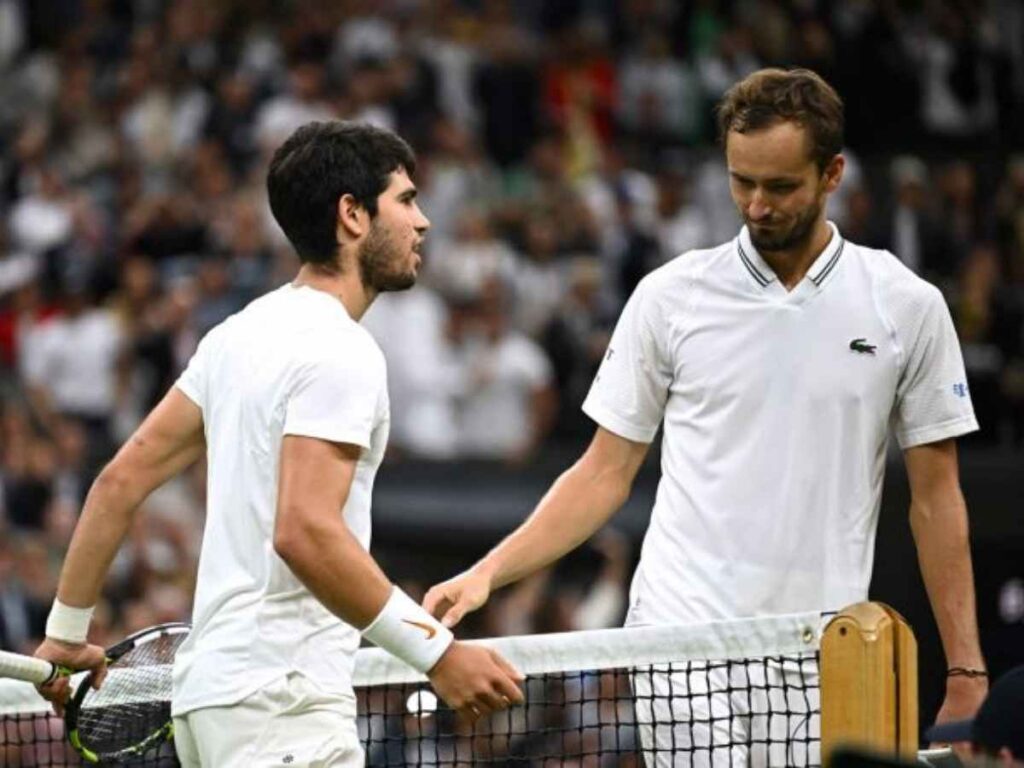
[(336, 396), (631, 387), (192, 380), (932, 398)]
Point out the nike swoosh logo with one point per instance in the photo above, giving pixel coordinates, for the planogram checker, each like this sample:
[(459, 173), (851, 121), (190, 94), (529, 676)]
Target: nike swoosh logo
[(431, 631)]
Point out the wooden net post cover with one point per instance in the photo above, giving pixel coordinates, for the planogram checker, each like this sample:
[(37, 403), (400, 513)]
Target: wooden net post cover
[(869, 682)]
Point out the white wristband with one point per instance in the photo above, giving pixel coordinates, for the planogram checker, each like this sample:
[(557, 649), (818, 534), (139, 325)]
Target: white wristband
[(67, 623), (404, 629)]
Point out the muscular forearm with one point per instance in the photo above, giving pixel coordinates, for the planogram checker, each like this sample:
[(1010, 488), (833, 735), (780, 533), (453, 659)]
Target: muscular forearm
[(940, 532), (106, 519), (328, 559), (170, 440), (579, 503)]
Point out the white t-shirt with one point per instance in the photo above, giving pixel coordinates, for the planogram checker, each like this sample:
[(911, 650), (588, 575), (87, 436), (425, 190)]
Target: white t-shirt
[(291, 363), (776, 408)]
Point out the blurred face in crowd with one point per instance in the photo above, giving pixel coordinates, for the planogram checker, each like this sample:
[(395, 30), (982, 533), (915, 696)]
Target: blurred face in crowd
[(779, 190), (389, 255)]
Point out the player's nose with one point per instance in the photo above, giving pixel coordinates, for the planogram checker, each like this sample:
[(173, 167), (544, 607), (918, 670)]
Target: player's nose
[(422, 223), (758, 208)]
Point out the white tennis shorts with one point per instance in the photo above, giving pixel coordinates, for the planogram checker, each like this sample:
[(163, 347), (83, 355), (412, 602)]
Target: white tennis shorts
[(290, 723), (756, 715)]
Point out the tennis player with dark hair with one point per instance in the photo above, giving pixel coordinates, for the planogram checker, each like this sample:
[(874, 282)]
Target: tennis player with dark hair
[(778, 364), (288, 401)]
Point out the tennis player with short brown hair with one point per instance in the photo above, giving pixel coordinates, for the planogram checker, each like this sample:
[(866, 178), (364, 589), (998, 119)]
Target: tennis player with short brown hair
[(777, 364), (288, 402)]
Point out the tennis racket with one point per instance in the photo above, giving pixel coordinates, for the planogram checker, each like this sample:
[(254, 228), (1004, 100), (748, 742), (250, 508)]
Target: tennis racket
[(130, 715), (29, 669)]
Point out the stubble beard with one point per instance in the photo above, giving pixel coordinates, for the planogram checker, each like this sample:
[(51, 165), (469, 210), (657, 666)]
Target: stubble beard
[(798, 235), (379, 260)]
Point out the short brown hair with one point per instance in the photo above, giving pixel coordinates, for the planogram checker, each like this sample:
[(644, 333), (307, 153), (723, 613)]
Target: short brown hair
[(771, 96)]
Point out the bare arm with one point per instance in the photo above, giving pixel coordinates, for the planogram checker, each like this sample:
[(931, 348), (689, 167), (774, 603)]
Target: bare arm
[(168, 441), (580, 501), (311, 536), (938, 519)]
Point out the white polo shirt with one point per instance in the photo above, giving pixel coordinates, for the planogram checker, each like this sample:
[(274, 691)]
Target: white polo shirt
[(291, 363), (776, 407)]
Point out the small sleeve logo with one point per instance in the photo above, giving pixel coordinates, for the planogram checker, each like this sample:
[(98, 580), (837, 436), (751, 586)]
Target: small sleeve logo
[(960, 389)]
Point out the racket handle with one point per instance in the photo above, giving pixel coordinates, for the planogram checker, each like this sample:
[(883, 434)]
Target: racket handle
[(28, 668)]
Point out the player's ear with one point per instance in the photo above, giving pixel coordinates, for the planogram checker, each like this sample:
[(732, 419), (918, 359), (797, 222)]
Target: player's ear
[(353, 218), (833, 173)]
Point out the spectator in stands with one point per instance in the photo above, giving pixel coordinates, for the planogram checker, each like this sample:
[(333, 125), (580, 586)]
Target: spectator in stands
[(539, 281), (963, 219), (247, 249), (912, 231), (508, 399), (41, 220), (575, 340), (1010, 218), (231, 119), (423, 376), (978, 313), (680, 226), (475, 255), (659, 102), (956, 69), (507, 86), (22, 610), (70, 365), (303, 100), (453, 177)]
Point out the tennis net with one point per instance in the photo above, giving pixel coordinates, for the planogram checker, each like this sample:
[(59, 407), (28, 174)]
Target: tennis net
[(727, 693)]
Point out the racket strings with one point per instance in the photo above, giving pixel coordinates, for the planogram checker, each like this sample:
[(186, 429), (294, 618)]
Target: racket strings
[(133, 703)]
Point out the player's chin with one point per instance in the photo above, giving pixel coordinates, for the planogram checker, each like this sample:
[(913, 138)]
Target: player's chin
[(775, 241), (401, 281)]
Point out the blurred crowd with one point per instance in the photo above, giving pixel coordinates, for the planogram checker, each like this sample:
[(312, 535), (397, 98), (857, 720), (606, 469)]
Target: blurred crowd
[(565, 150)]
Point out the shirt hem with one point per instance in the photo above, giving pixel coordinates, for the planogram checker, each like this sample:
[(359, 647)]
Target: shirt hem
[(960, 426), (189, 392), (620, 426), (320, 433), (228, 699)]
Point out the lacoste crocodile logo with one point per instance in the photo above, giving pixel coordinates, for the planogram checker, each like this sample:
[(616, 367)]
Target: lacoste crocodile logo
[(862, 346), (431, 631)]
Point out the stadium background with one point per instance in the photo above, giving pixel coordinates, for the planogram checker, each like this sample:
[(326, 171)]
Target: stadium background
[(565, 148)]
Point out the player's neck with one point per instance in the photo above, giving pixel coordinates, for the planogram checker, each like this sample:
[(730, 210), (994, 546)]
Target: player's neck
[(791, 265), (346, 286)]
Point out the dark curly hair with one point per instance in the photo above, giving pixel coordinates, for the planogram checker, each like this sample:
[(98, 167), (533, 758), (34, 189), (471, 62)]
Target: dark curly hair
[(319, 163), (770, 96)]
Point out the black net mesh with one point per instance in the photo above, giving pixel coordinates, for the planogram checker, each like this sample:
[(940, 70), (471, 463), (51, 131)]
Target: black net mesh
[(762, 711)]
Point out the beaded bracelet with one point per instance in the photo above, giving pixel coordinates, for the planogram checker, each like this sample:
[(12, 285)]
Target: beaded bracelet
[(966, 672)]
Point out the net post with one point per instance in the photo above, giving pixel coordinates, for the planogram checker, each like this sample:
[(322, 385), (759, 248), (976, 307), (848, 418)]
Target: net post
[(869, 682)]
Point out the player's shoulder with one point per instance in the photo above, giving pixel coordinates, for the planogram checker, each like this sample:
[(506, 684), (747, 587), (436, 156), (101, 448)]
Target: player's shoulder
[(892, 281), (681, 272), (314, 326)]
